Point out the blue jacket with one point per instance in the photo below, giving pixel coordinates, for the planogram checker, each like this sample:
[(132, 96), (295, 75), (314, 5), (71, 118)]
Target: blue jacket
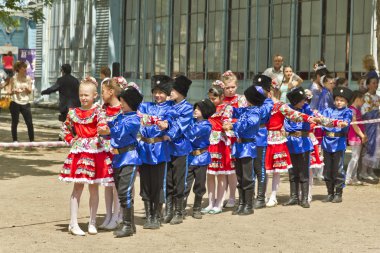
[(154, 153), (298, 145), (262, 134), (246, 127), (199, 136), (334, 144), (124, 129), (181, 115)]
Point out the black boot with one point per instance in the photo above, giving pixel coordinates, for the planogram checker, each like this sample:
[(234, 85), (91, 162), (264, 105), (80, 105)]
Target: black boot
[(293, 194), (184, 212), (133, 220), (146, 207), (127, 228), (155, 216), (338, 195), (177, 219), (260, 199), (239, 209), (248, 208), (149, 219), (330, 192), (197, 207), (305, 195), (168, 210)]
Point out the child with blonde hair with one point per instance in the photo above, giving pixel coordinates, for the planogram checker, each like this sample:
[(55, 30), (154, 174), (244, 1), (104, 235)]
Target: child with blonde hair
[(88, 161)]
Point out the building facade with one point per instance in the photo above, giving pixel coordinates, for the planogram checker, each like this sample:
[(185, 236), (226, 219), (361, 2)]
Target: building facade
[(203, 38)]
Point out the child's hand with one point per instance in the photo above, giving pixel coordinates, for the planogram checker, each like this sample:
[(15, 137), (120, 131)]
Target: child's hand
[(227, 126), (342, 124), (162, 125), (364, 138), (314, 120), (103, 130)]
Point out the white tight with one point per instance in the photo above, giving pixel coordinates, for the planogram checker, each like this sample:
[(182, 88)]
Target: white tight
[(275, 185), (75, 200), (352, 167)]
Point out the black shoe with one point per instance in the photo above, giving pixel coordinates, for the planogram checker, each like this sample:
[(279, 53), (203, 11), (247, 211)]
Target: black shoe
[(338, 196), (248, 208), (239, 209), (146, 205), (197, 207), (149, 220), (330, 192), (260, 199), (127, 228), (293, 194), (168, 210), (305, 195), (177, 219), (133, 220), (184, 212)]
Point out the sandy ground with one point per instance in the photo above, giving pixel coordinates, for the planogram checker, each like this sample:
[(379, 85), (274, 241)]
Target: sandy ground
[(34, 216)]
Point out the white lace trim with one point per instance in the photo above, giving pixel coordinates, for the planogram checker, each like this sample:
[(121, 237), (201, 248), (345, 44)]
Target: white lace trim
[(279, 170), (317, 166), (223, 172), (277, 142), (102, 181)]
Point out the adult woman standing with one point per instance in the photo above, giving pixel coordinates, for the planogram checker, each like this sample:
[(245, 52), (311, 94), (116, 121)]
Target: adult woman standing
[(21, 87), (370, 68), (288, 82)]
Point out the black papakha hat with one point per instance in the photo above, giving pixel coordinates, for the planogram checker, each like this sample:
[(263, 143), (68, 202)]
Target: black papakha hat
[(207, 108), (263, 81), (132, 97), (296, 95), (342, 92), (254, 95), (162, 82), (182, 84)]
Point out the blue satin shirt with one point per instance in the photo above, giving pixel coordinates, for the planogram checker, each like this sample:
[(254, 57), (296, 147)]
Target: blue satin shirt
[(247, 126), (124, 129), (182, 116), (298, 145), (262, 134), (158, 152), (334, 144), (199, 136)]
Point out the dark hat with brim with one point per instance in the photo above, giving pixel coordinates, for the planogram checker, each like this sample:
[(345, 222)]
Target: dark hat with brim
[(182, 85), (255, 95), (207, 108), (342, 92), (132, 97), (162, 82), (296, 95), (263, 81)]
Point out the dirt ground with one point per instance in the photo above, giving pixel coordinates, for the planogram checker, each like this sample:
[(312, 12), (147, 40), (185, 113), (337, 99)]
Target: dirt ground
[(34, 216)]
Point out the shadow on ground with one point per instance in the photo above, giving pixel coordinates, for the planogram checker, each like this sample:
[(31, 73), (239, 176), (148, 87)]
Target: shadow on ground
[(14, 167)]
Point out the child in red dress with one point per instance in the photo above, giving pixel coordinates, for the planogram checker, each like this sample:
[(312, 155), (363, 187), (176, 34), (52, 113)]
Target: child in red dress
[(88, 161), (111, 88), (237, 101), (220, 165)]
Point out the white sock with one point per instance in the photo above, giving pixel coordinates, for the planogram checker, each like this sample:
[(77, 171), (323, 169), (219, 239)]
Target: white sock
[(74, 203), (93, 202), (275, 185)]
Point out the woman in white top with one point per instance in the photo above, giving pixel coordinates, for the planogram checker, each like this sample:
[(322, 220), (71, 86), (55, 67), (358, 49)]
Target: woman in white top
[(288, 83), (21, 87)]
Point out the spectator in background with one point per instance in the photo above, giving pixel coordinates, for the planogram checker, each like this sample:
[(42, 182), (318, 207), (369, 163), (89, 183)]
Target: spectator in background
[(370, 68), (8, 63), (277, 71), (341, 82), (317, 85), (68, 88), (21, 87)]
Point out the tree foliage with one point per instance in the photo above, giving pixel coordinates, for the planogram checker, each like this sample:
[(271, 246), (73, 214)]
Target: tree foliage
[(10, 9)]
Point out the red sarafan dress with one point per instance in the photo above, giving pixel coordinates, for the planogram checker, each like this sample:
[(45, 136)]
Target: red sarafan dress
[(88, 161), (220, 140), (277, 158), (111, 112), (316, 158)]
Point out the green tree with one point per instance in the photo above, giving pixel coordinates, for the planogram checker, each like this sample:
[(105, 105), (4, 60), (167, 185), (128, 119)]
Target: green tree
[(9, 9)]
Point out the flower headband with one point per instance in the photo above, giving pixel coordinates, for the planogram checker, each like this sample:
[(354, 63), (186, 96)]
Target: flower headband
[(89, 79), (228, 73), (134, 85), (121, 82), (218, 83), (308, 93)]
